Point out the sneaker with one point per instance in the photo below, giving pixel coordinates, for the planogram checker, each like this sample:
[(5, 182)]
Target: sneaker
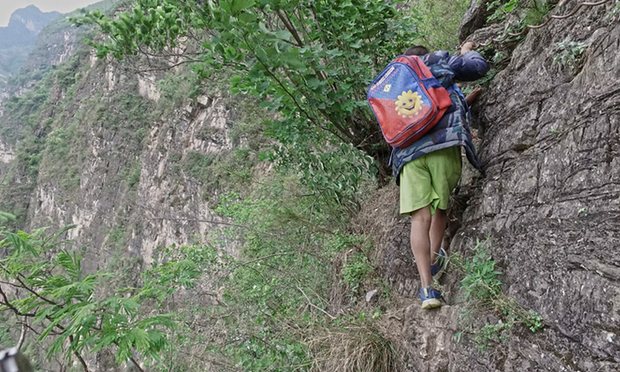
[(430, 297), (440, 264)]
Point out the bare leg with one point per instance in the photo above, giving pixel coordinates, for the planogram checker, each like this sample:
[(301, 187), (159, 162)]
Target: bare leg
[(421, 245), (439, 222)]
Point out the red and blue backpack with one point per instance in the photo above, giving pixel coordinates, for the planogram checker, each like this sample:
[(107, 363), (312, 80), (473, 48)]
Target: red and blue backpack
[(407, 100)]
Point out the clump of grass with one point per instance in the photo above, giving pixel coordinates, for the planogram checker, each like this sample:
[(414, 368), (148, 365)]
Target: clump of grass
[(532, 12), (355, 270), (481, 288), (354, 349), (569, 53)]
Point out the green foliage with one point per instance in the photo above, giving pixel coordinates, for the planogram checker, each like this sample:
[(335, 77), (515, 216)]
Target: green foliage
[(265, 352), (569, 53), (481, 281), (177, 88), (614, 13), (5, 218), (82, 313), (481, 288), (29, 155), (334, 174), (132, 174), (450, 12), (355, 271), (500, 9), (61, 157), (68, 73), (198, 164), (533, 11), (491, 334), (5, 335), (518, 15), (309, 61), (537, 11), (279, 291)]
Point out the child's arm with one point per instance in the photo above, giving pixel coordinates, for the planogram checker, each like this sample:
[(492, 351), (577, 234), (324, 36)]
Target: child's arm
[(471, 97), (470, 65)]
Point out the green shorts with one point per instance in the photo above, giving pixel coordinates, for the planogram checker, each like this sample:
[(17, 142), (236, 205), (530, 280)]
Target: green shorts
[(429, 180)]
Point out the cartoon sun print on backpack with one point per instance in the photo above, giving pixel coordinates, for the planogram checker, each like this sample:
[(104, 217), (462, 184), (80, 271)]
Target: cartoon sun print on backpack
[(409, 104)]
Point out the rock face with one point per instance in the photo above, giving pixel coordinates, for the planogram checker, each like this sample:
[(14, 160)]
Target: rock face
[(550, 205), (131, 192), (109, 154), (551, 199), (473, 19)]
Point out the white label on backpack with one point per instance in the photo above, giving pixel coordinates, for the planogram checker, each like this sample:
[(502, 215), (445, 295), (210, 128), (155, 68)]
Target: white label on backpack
[(383, 78)]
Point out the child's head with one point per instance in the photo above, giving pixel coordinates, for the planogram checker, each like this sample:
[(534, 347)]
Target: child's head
[(417, 50)]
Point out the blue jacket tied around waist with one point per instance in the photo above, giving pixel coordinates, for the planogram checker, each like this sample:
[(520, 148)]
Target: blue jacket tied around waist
[(453, 129)]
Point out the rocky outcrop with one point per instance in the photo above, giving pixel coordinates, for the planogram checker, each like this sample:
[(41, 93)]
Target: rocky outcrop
[(110, 156), (131, 193), (551, 199), (550, 205)]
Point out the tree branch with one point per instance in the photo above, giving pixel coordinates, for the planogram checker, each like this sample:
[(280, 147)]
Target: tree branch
[(77, 355), (6, 302), (290, 95), (35, 292), (289, 26), (135, 363)]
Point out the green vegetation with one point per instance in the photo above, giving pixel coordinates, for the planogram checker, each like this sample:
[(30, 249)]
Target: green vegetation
[(482, 293), (42, 281), (500, 9), (529, 12), (450, 12), (614, 13), (280, 290), (177, 89), (296, 57), (198, 164), (516, 17), (569, 54), (131, 174), (355, 270)]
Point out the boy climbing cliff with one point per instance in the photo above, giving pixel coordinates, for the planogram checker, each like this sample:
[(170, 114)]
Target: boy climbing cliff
[(429, 169)]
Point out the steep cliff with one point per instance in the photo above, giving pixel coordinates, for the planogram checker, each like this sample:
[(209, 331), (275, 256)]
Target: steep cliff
[(548, 206), (109, 149)]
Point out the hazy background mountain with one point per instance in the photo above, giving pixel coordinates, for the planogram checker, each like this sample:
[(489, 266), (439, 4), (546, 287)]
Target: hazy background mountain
[(19, 37)]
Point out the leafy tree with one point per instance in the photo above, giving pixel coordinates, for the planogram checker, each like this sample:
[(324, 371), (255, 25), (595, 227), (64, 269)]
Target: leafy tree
[(309, 61), (43, 285)]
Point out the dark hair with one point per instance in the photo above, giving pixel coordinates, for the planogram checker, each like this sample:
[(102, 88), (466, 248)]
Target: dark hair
[(417, 50)]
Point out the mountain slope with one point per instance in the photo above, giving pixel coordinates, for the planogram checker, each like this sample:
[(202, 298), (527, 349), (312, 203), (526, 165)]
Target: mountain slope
[(19, 37)]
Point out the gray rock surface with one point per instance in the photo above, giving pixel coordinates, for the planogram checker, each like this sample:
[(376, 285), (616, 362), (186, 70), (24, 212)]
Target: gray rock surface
[(473, 19), (125, 184)]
